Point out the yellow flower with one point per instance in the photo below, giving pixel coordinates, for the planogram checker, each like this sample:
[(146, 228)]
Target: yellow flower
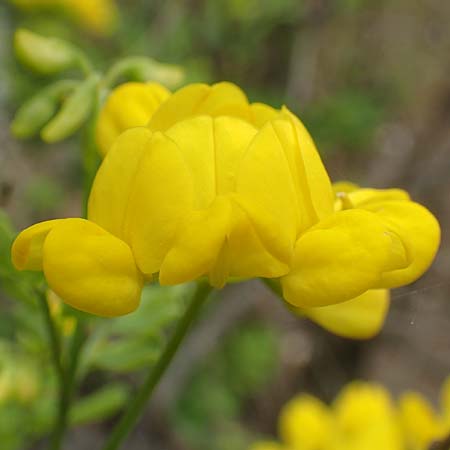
[(362, 417), (129, 105), (217, 187), (422, 425), (366, 418), (306, 423), (98, 16)]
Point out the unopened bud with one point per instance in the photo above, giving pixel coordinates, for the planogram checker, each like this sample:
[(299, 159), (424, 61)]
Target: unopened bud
[(43, 54), (38, 110), (73, 113)]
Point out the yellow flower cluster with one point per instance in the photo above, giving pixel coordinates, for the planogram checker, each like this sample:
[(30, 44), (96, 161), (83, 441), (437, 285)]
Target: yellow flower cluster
[(362, 417), (98, 16), (207, 184)]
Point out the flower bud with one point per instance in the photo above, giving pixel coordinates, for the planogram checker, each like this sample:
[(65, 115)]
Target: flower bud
[(139, 68), (42, 54), (74, 111), (38, 110)]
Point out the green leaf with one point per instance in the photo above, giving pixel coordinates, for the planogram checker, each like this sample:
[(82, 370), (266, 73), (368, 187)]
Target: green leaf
[(100, 405)]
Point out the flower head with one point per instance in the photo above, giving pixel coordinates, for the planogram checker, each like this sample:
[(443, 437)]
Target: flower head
[(218, 187)]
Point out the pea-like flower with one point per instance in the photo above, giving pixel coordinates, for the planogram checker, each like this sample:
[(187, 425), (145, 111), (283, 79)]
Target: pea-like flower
[(363, 416), (220, 188)]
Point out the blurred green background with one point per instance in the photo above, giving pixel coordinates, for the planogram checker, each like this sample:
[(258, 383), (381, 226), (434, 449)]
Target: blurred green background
[(371, 82)]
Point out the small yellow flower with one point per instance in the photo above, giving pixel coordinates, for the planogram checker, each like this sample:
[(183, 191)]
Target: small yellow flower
[(129, 105), (423, 425), (217, 187), (98, 16), (306, 423)]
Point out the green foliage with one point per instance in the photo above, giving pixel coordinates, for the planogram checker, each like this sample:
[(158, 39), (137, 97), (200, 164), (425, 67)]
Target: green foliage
[(212, 401), (18, 285), (100, 405), (43, 195), (135, 341), (345, 120)]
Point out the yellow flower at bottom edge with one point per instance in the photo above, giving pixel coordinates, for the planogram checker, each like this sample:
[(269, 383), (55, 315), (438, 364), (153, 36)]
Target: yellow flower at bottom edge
[(305, 423), (422, 425)]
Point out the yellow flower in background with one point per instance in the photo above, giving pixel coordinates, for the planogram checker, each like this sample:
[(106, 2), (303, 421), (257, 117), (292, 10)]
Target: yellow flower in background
[(362, 417), (218, 187), (97, 16), (366, 418), (129, 105), (422, 424), (317, 424)]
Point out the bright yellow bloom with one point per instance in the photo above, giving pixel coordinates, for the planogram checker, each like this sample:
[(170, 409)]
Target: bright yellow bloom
[(217, 187), (306, 423), (366, 418), (422, 424), (363, 417), (129, 105)]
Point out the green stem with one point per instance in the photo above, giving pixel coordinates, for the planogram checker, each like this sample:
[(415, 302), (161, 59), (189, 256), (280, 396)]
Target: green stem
[(55, 346), (69, 385), (137, 405)]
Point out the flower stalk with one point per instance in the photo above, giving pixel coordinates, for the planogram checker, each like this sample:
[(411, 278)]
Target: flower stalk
[(142, 396)]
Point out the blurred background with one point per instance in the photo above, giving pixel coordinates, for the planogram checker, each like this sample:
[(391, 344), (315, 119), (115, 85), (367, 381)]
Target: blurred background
[(371, 82)]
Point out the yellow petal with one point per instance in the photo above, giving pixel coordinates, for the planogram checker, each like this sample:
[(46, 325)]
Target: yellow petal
[(260, 114), (200, 99), (310, 172), (129, 105), (359, 318), (366, 196), (248, 252), (90, 269), (305, 422), (201, 236), (212, 149), (360, 405), (344, 186), (267, 191), (115, 180), (26, 251), (419, 232), (162, 195), (420, 422), (338, 259)]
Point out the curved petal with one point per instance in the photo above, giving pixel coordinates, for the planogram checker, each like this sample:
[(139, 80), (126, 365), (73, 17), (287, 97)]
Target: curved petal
[(115, 179), (311, 175), (420, 422), (419, 232), (338, 259), (261, 113), (197, 245), (129, 105), (266, 190), (26, 251), (306, 422), (200, 99), (212, 149), (90, 269), (359, 318), (161, 196)]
